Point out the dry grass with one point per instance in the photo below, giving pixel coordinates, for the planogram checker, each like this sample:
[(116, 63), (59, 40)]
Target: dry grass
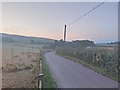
[(20, 69)]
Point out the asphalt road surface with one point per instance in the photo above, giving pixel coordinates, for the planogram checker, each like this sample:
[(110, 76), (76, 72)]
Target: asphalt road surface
[(69, 74)]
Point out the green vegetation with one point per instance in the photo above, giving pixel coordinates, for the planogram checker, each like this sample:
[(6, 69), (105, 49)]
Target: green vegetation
[(103, 60), (48, 81)]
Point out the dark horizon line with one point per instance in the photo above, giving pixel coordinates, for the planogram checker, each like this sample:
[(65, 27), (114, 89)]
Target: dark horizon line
[(26, 36), (55, 39)]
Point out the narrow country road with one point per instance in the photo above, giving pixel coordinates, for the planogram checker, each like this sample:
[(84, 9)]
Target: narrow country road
[(69, 74)]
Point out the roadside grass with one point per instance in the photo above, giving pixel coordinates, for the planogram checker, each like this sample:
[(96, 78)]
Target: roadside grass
[(48, 81), (100, 70), (94, 68)]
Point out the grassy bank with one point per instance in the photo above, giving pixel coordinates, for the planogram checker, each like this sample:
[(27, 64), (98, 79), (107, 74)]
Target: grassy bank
[(48, 81), (100, 70)]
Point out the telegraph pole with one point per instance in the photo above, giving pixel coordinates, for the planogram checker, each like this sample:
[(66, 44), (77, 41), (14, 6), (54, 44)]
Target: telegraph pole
[(65, 33)]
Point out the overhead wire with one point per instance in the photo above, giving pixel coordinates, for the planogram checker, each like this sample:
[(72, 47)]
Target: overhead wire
[(86, 13)]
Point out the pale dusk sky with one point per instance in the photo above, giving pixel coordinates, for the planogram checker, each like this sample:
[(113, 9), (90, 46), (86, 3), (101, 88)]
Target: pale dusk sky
[(47, 19)]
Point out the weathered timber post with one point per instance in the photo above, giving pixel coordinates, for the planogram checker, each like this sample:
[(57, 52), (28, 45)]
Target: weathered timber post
[(65, 33)]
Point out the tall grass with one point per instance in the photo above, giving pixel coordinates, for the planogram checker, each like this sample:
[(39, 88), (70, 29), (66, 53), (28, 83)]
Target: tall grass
[(102, 60)]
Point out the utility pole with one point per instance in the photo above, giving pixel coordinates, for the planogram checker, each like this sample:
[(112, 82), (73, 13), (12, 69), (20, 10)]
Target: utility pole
[(65, 33)]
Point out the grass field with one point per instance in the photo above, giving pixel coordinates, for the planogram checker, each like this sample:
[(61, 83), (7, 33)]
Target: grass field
[(20, 66)]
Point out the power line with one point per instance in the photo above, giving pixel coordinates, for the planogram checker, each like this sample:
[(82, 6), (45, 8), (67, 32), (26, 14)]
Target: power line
[(87, 13)]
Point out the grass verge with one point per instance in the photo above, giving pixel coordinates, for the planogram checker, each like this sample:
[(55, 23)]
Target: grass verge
[(48, 81)]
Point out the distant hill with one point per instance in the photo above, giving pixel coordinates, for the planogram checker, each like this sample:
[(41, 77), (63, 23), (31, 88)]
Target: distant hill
[(106, 44), (24, 39)]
